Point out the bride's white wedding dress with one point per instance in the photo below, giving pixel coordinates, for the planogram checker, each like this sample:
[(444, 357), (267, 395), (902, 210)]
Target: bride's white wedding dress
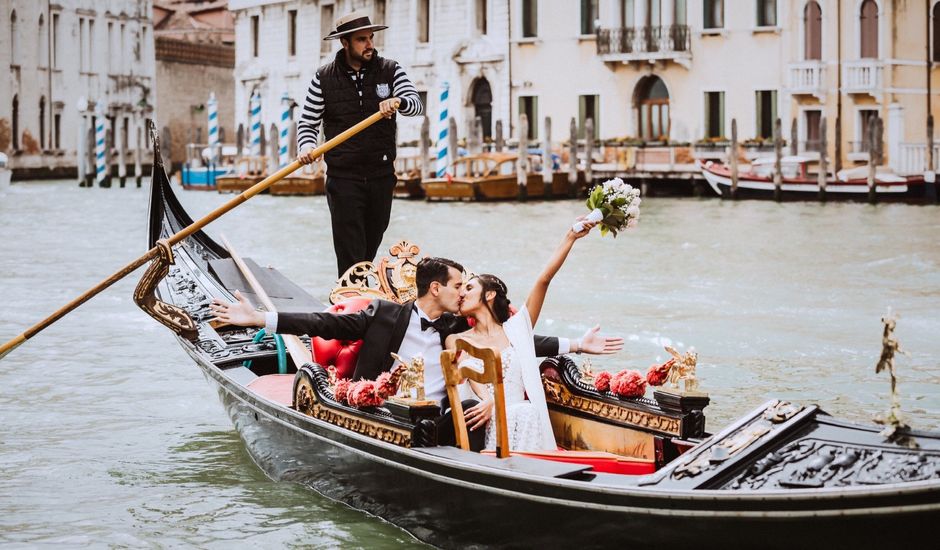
[(527, 419)]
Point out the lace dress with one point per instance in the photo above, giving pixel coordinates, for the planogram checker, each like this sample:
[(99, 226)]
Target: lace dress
[(522, 417)]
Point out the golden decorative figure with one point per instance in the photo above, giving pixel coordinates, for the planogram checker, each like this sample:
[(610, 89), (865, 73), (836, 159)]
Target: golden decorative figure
[(393, 279), (894, 421), (411, 384), (683, 370), (587, 372)]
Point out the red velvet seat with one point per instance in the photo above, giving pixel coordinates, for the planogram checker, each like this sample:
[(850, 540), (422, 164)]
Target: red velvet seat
[(600, 461), (341, 354)]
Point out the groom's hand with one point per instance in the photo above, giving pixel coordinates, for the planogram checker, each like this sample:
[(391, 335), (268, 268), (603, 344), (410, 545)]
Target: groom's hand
[(240, 313), (596, 344)]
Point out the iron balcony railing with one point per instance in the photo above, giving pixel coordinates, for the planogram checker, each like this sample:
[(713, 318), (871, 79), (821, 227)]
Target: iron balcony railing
[(632, 40)]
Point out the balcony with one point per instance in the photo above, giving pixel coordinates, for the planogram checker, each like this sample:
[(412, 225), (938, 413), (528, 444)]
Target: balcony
[(808, 78), (865, 76), (625, 44)]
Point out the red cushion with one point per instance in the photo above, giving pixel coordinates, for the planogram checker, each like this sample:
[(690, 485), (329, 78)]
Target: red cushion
[(274, 387), (341, 354), (599, 461)]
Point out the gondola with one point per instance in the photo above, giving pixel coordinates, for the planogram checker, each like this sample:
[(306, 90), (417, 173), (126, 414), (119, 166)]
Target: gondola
[(636, 471)]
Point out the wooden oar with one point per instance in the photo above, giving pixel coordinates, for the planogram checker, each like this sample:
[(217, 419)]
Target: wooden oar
[(297, 350), (183, 233)]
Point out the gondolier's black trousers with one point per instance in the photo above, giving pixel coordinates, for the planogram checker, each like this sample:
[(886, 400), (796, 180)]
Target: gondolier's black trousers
[(360, 209)]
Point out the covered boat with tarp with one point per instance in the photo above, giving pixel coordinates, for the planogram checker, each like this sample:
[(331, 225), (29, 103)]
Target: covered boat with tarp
[(634, 471)]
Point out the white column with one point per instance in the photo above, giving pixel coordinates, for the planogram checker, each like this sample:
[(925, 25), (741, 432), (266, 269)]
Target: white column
[(895, 135), (639, 23)]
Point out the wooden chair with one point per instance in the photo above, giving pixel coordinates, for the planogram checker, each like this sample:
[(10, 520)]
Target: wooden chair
[(492, 374)]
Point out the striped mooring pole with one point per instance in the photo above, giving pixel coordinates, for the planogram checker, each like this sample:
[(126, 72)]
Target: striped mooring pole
[(441, 164), (213, 106), (255, 107), (101, 172), (283, 158)]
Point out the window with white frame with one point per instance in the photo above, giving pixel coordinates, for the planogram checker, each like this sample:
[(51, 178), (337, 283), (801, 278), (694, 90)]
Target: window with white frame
[(530, 16), (480, 16), (766, 101), (714, 14), (812, 136), (588, 17), (424, 21), (714, 115)]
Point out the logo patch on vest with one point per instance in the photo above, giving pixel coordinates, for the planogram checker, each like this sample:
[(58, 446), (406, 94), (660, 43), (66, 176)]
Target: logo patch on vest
[(382, 90)]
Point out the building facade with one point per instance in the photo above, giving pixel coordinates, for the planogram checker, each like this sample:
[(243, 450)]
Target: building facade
[(65, 57), (465, 44), (680, 70), (195, 57)]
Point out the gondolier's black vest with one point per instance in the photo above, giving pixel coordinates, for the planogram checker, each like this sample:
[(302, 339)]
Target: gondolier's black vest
[(371, 152)]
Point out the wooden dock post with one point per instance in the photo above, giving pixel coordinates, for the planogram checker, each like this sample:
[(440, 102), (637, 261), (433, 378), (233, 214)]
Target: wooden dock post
[(122, 159), (138, 151), (547, 172), (733, 158), (522, 162), (424, 147), (930, 173), (794, 150), (499, 136), (589, 152), (874, 151), (239, 142), (573, 159), (778, 157), (823, 167), (452, 153)]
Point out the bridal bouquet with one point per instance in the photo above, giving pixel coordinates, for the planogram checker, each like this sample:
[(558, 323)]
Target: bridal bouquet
[(615, 204)]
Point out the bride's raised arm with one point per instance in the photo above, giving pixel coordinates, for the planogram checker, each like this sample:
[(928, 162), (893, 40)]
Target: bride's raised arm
[(537, 295)]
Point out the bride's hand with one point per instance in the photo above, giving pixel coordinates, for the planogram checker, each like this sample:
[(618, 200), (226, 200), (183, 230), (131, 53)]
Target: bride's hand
[(575, 235), (478, 415)]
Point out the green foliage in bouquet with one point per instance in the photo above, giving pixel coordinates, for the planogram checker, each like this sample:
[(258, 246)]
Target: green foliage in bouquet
[(615, 218)]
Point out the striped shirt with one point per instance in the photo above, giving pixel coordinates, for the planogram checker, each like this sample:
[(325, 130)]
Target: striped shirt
[(308, 127)]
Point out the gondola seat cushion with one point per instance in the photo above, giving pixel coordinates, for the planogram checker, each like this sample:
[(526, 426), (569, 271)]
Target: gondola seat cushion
[(278, 388), (341, 354), (600, 461)]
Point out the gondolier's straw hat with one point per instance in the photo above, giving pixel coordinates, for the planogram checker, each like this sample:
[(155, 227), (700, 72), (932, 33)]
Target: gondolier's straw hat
[(352, 22)]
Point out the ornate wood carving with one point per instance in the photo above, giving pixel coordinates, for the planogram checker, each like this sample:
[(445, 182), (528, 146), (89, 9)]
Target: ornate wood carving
[(559, 395), (307, 401), (393, 279), (172, 317)]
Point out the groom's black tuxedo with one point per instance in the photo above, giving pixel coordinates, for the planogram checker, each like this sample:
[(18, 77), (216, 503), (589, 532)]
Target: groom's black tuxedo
[(382, 327)]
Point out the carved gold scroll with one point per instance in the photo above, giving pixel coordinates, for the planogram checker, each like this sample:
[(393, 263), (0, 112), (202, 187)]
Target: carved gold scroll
[(173, 317)]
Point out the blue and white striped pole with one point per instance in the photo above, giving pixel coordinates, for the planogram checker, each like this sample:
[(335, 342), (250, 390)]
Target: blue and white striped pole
[(101, 172), (255, 107), (213, 125), (283, 159), (441, 163)]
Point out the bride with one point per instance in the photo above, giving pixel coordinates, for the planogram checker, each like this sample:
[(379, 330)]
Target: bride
[(484, 298)]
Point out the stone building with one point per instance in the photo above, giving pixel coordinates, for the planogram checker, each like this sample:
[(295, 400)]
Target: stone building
[(195, 56), (279, 46), (671, 71), (65, 56)]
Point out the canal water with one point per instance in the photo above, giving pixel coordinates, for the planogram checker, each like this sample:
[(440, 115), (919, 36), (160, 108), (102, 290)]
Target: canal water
[(110, 436)]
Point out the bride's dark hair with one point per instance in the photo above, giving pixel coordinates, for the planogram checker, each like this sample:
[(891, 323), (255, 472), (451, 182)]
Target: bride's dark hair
[(500, 307)]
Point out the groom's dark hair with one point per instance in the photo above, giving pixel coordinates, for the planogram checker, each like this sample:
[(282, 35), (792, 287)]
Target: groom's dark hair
[(432, 269)]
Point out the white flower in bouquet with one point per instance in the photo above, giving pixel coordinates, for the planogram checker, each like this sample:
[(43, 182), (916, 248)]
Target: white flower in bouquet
[(615, 204)]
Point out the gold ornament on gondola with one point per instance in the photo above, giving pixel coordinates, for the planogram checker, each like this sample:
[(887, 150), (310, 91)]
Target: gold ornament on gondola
[(411, 382), (393, 279), (683, 371)]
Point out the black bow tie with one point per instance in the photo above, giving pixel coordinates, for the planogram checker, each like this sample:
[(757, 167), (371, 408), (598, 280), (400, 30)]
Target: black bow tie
[(438, 324)]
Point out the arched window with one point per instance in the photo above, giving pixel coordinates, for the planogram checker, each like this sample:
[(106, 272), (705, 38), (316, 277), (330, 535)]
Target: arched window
[(42, 122), (482, 98), (936, 32), (16, 123), (812, 31), (652, 101), (868, 23)]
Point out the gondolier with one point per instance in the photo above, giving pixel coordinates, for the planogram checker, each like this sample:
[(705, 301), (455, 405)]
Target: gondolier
[(360, 172)]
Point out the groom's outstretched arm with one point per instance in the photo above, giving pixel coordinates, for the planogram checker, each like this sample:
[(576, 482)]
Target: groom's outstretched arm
[(331, 326)]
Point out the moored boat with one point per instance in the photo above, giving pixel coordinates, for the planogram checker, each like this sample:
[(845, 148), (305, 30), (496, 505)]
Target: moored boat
[(798, 183), (201, 168), (492, 177), (5, 173), (633, 471)]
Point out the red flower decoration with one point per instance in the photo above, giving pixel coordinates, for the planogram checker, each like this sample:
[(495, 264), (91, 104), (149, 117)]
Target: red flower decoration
[(386, 385), (602, 381), (364, 394), (341, 391), (628, 383), (656, 375)]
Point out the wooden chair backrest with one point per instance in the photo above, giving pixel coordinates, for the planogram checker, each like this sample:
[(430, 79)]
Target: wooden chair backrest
[(492, 374)]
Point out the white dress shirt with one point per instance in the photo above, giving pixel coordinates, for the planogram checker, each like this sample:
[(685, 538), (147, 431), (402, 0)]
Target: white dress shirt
[(426, 343)]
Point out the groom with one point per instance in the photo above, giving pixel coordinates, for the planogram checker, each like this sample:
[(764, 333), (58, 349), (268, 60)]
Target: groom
[(408, 329)]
